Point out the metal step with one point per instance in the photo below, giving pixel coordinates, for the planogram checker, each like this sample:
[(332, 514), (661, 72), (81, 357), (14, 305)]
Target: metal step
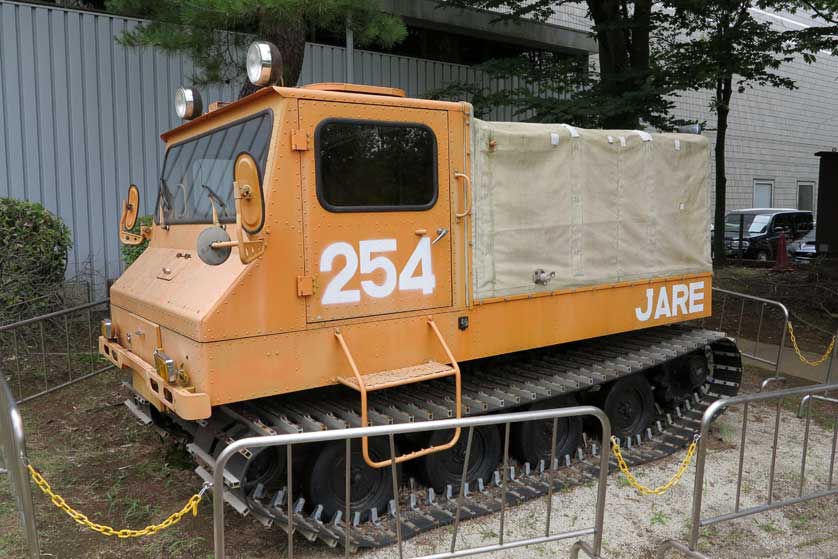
[(399, 377)]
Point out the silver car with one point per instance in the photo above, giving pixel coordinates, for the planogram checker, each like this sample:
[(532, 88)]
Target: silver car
[(803, 249)]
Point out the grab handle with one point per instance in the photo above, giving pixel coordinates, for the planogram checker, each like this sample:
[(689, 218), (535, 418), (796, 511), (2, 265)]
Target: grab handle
[(467, 179)]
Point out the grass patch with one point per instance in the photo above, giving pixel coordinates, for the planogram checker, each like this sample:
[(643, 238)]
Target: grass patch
[(726, 433), (173, 544), (659, 517), (768, 526), (10, 541)]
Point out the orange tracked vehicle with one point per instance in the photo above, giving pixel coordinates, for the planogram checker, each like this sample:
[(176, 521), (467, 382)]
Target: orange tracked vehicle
[(338, 255)]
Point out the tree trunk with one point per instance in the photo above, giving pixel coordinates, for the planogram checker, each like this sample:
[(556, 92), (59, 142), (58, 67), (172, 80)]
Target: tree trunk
[(290, 39), (623, 52), (724, 90)]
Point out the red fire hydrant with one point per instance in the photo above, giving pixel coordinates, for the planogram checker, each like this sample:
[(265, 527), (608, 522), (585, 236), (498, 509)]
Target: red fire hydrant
[(782, 261)]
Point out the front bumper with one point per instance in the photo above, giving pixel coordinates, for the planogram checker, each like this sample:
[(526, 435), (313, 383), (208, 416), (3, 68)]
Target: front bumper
[(184, 402)]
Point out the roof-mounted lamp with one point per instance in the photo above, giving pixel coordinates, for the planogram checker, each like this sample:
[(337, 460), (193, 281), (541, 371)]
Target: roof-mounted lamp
[(264, 64), (694, 128), (188, 104)]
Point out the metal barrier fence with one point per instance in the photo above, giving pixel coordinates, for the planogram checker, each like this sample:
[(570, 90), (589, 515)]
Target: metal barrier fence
[(13, 450), (763, 303), (390, 431), (807, 400), (710, 415), (49, 352)]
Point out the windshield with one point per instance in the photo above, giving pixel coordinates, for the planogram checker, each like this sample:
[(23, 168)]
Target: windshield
[(754, 224), (201, 169)]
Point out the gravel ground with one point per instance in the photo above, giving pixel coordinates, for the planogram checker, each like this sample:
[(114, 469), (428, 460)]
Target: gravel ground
[(635, 525), (121, 474)]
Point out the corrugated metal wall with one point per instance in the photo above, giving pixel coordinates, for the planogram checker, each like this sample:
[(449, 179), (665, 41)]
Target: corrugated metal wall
[(81, 115)]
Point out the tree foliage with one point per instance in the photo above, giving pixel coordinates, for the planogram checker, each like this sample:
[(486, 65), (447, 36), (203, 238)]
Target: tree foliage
[(33, 255), (215, 33), (722, 46), (621, 90), (131, 252), (550, 87), (827, 10)]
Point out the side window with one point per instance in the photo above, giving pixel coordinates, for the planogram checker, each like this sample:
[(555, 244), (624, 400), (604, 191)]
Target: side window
[(803, 223), (783, 221), (365, 166)]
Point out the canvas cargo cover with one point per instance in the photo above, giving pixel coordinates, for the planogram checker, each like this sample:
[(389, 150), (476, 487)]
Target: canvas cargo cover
[(591, 206)]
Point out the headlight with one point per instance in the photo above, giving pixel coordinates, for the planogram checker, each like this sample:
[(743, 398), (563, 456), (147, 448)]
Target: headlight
[(106, 329), (165, 366), (188, 103), (264, 63)]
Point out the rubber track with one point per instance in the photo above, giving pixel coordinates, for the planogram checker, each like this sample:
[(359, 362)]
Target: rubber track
[(541, 374)]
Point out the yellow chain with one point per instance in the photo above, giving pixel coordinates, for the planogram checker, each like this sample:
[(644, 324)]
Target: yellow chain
[(58, 501), (642, 489), (802, 358)]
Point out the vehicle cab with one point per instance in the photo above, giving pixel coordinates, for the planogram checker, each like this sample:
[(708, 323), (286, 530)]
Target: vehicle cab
[(291, 211)]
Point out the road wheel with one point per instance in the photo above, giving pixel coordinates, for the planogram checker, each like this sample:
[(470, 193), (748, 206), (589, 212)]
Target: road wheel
[(446, 468), (762, 256), (266, 468), (530, 440), (369, 488), (629, 404), (697, 370)]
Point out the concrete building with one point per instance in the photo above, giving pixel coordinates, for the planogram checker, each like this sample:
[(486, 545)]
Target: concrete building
[(80, 115), (774, 133)]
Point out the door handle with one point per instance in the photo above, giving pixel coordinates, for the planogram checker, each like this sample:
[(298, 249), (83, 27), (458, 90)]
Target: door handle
[(467, 179), (440, 233)]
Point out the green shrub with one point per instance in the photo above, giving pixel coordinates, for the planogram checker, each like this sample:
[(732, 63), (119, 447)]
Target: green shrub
[(131, 253), (33, 253)]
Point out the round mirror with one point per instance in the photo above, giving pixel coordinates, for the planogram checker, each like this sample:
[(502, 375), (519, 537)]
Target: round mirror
[(132, 207), (246, 175), (206, 252)]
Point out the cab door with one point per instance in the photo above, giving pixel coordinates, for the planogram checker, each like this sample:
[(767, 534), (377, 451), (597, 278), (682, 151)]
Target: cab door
[(376, 209)]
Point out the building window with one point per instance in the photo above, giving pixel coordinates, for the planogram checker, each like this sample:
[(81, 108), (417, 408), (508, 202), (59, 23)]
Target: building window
[(805, 195), (763, 193), (365, 166)]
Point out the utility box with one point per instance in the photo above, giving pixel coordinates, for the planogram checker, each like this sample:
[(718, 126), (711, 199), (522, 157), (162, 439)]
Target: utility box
[(827, 229)]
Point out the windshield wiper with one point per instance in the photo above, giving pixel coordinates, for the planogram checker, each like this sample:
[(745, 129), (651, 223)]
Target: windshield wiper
[(215, 199), (165, 201), (166, 196)]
